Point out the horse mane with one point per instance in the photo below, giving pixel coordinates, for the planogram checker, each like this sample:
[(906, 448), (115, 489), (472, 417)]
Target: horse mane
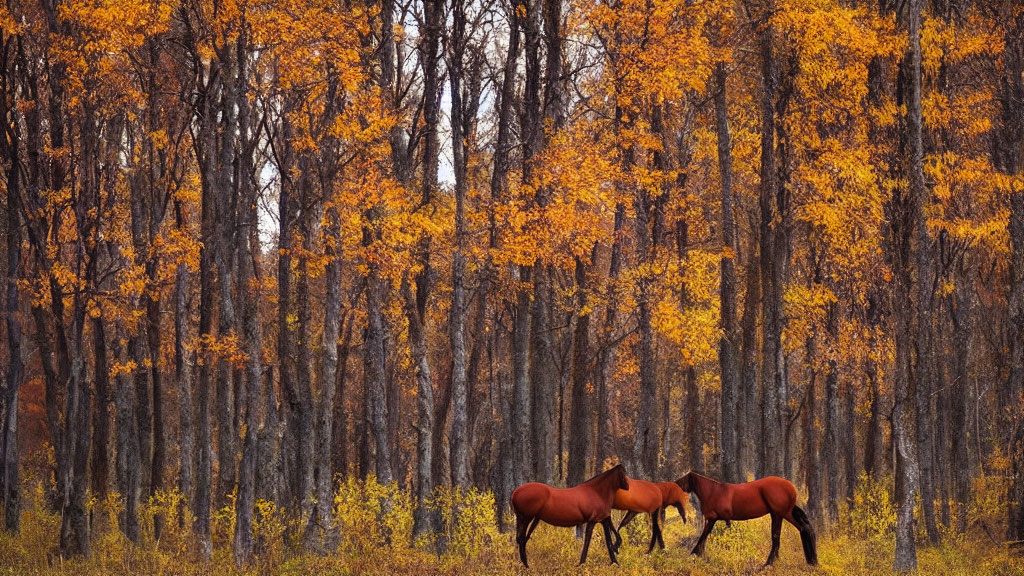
[(602, 474), (702, 479)]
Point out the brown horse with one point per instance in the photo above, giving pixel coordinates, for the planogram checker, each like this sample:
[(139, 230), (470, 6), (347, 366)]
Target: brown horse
[(672, 495), (770, 495), (643, 497), (589, 503)]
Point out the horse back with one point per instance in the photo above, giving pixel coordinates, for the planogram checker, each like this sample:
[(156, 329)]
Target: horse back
[(642, 496), (530, 498), (767, 495), (671, 493)]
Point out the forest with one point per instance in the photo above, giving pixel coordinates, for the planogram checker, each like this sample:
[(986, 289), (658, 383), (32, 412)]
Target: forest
[(297, 286)]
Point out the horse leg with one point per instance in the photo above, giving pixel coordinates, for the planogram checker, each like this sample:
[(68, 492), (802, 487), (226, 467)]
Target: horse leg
[(521, 524), (625, 520), (655, 531), (661, 538), (799, 519), (709, 523), (586, 542), (533, 527), (776, 533), (609, 527)]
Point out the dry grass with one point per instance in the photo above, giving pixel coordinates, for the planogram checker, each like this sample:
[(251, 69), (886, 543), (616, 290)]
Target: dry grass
[(481, 550)]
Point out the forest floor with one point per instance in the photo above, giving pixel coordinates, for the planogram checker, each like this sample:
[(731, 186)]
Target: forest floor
[(740, 549)]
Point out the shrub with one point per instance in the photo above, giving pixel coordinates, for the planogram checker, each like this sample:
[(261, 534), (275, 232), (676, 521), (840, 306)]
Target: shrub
[(371, 514), (873, 515), (467, 519)]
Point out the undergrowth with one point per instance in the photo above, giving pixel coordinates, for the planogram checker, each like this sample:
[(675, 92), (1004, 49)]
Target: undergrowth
[(375, 523)]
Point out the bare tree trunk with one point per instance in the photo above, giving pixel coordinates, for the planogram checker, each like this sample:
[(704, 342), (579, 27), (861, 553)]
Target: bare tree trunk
[(10, 481), (812, 464), (306, 441), (907, 471), (461, 126), (582, 400), (848, 445), (542, 379), (340, 434), (831, 445), (286, 355), (606, 351), (225, 256), (373, 372), (101, 415), (1008, 159), (645, 447), (962, 318), (183, 377), (873, 436), (924, 371), (510, 460), (248, 250), (771, 452), (322, 532), (127, 439), (727, 356), (748, 429)]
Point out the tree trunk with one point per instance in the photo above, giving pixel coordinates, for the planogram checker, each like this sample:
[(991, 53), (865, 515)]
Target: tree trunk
[(907, 471), (127, 442), (461, 126), (812, 464), (10, 481), (306, 441), (248, 249), (848, 446), (645, 447), (832, 440), (322, 532), (1009, 154), (206, 150), (542, 380), (373, 372), (727, 356), (183, 377), (509, 458), (873, 437), (606, 352), (225, 256), (101, 415), (771, 450), (582, 399), (925, 369), (748, 429)]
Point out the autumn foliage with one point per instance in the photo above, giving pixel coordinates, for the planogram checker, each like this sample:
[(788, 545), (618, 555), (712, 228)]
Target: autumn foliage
[(292, 284)]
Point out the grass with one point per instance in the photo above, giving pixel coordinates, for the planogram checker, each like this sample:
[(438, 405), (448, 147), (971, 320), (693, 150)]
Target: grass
[(741, 549), (476, 548)]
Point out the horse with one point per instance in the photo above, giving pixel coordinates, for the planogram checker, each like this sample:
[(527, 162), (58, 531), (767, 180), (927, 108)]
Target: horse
[(769, 495), (643, 497), (672, 495), (589, 503)]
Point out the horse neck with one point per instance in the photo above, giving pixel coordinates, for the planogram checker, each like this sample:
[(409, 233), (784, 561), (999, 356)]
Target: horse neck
[(704, 485), (605, 483)]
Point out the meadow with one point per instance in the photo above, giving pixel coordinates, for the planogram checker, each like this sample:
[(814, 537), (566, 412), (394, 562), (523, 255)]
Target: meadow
[(375, 541)]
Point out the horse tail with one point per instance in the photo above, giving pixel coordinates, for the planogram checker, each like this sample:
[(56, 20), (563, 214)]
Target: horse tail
[(806, 535)]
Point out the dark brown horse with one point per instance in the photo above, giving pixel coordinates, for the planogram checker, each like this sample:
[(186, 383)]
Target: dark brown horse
[(589, 503), (643, 497), (770, 495)]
